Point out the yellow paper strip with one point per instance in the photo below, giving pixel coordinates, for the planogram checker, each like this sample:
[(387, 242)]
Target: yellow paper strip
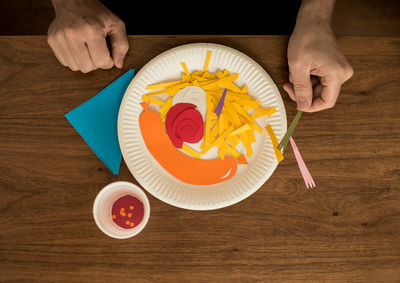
[(230, 85), (235, 140), (231, 151), (240, 110), (207, 133), (242, 129), (152, 100), (223, 148), (266, 112), (190, 151), (170, 90), (186, 78), (165, 107), (251, 136), (278, 153), (207, 61), (214, 130), (257, 115), (163, 120), (221, 83), (163, 85), (270, 111), (219, 141), (246, 143), (185, 68), (240, 97), (220, 74), (209, 76), (198, 78), (221, 124), (232, 116), (222, 138), (196, 83)]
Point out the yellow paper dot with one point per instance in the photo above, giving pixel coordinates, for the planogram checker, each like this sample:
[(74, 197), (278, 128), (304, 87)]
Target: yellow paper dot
[(114, 216), (131, 207), (127, 222), (129, 214), (131, 224)]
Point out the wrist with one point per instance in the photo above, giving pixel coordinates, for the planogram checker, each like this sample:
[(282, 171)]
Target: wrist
[(315, 13), (62, 4)]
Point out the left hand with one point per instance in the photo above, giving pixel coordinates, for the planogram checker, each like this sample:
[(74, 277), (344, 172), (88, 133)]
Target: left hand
[(317, 67)]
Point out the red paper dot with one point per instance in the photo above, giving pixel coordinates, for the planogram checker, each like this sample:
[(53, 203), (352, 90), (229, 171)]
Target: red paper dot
[(121, 205)]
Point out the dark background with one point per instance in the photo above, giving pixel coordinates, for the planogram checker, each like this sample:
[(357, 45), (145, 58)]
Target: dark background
[(351, 17)]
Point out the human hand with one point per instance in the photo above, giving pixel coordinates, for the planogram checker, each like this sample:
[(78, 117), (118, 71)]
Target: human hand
[(78, 34), (317, 66)]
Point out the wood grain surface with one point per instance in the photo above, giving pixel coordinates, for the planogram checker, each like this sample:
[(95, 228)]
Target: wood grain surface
[(345, 230)]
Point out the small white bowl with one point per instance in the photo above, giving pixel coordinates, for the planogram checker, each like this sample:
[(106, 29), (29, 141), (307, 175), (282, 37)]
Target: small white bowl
[(103, 205)]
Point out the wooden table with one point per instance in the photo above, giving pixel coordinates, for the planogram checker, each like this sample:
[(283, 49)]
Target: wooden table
[(346, 229)]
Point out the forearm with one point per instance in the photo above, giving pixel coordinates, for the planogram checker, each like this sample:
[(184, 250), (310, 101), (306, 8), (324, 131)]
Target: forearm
[(315, 12)]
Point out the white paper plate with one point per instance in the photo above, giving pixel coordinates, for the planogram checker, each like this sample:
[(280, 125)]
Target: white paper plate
[(155, 179)]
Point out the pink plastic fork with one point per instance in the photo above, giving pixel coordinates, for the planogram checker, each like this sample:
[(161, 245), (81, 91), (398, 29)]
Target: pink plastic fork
[(308, 179)]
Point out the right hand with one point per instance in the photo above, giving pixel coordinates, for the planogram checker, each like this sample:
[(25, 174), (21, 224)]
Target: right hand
[(78, 34)]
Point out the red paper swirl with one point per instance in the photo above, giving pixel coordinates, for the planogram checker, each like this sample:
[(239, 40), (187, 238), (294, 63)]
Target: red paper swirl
[(184, 124)]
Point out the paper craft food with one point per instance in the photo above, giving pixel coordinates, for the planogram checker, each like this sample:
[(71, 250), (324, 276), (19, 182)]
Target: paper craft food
[(184, 124), (229, 115), (185, 168), (127, 212)]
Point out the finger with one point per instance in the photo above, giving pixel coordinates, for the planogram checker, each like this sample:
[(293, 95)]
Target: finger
[(119, 44), (328, 97), (314, 80), (302, 87), (317, 90), (81, 56), (67, 56), (59, 56), (58, 45), (99, 52), (288, 87), (52, 40)]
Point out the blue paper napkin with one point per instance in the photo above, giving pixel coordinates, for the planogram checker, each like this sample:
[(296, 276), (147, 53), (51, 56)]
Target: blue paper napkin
[(96, 121)]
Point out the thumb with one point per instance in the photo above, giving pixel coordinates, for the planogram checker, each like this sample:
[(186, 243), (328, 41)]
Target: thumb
[(119, 44), (303, 90)]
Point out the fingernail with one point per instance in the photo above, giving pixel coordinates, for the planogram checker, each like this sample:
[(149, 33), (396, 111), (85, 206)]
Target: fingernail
[(302, 103)]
